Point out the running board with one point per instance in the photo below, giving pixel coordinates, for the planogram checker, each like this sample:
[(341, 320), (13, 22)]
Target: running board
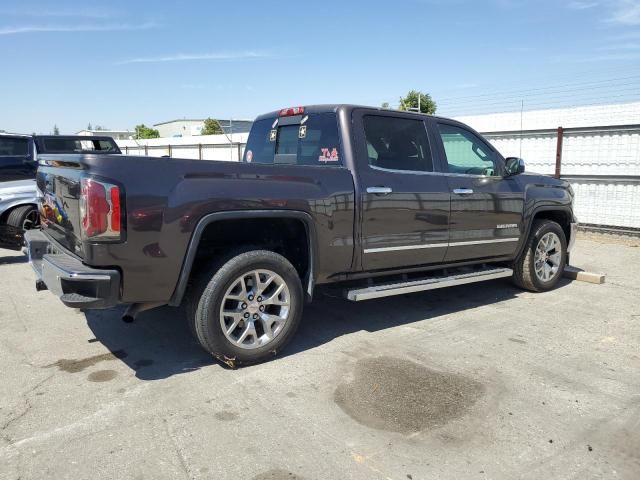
[(389, 289)]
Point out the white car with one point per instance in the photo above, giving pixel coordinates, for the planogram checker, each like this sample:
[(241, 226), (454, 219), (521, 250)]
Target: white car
[(18, 211)]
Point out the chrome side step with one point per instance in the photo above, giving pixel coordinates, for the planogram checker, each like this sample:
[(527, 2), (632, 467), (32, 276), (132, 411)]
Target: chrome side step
[(389, 289)]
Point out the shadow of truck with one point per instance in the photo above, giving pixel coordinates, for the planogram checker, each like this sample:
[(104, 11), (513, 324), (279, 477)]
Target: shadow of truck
[(158, 344)]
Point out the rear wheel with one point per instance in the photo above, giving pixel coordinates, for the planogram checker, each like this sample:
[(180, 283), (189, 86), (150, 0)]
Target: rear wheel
[(542, 262), (24, 218), (247, 309)]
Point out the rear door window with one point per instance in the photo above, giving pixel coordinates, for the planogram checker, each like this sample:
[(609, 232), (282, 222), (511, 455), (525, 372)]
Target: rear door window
[(314, 141), (397, 144), (14, 147)]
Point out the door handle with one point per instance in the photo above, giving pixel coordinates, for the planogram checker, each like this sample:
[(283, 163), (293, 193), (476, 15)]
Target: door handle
[(463, 191), (379, 190)]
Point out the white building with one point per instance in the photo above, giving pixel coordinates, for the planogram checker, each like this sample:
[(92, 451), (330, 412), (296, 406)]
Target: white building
[(115, 134), (192, 127)]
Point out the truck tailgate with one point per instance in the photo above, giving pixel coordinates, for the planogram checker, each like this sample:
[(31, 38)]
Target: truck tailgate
[(58, 181)]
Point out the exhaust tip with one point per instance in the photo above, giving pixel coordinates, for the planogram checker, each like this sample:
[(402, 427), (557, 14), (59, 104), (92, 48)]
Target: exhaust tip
[(136, 308)]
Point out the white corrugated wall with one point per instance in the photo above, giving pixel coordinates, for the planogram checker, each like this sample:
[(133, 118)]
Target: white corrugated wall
[(600, 154)]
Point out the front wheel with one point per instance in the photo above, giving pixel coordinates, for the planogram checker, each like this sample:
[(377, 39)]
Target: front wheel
[(542, 262), (247, 309)]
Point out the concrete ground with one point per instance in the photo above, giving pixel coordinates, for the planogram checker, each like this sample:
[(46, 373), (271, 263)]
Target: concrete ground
[(480, 381)]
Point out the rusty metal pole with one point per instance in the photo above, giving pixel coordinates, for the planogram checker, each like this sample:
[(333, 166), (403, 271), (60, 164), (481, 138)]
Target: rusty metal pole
[(559, 152), (170, 151)]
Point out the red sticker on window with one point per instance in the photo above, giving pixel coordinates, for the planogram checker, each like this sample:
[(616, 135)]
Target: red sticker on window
[(329, 155)]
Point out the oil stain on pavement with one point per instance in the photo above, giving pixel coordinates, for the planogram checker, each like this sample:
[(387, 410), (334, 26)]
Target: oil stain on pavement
[(78, 365), (398, 395), (277, 475), (226, 416), (102, 375)]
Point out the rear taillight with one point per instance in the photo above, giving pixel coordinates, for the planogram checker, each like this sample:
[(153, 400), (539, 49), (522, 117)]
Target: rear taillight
[(100, 210)]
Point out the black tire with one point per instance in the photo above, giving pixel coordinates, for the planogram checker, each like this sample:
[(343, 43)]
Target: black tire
[(524, 274), (207, 293), (19, 217)]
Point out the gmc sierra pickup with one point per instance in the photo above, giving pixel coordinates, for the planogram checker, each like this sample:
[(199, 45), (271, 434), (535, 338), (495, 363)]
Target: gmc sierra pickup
[(382, 202)]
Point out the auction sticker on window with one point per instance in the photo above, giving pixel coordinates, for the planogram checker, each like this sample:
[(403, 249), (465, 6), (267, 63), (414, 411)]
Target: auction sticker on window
[(249, 156), (329, 155)]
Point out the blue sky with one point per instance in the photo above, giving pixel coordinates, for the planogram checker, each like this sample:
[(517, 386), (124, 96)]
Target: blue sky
[(121, 63)]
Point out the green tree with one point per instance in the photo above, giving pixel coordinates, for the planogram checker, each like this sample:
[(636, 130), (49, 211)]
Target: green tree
[(56, 130), (385, 105), (415, 98), (211, 127), (143, 131), (89, 127)]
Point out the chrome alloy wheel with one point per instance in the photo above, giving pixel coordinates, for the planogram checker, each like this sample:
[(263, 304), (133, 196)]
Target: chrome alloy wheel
[(31, 220), (548, 257), (255, 309)]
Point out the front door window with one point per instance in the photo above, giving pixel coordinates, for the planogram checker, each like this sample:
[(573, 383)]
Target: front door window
[(466, 153)]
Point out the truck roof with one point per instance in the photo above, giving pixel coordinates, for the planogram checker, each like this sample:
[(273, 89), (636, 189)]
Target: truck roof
[(16, 135), (335, 107)]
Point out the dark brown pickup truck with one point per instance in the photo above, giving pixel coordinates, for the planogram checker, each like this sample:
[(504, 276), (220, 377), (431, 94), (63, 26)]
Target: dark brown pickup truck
[(382, 202)]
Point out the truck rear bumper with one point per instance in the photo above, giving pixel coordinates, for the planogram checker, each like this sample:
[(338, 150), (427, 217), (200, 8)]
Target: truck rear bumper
[(76, 284)]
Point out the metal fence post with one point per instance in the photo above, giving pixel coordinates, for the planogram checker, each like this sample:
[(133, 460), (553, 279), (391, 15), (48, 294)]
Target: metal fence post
[(239, 151), (169, 150), (199, 151), (559, 152), (146, 150)]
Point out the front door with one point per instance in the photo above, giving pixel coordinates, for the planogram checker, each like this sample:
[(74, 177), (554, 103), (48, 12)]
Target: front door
[(486, 206), (405, 205)]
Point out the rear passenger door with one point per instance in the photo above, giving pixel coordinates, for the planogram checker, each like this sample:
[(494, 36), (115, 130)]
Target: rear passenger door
[(404, 202), (486, 206)]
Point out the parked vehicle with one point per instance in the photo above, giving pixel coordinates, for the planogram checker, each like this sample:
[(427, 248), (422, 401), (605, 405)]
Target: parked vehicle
[(18, 164), (380, 202)]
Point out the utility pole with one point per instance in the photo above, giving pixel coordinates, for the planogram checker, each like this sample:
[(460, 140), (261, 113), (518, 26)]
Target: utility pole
[(231, 139)]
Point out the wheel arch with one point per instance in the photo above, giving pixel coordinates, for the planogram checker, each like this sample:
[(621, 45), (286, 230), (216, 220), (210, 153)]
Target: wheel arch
[(208, 220), (5, 210), (559, 214)]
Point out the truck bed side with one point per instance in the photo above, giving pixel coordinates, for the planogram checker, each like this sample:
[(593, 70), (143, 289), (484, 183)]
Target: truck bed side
[(167, 198)]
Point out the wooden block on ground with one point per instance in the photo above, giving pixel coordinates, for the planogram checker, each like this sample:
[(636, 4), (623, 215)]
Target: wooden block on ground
[(578, 274)]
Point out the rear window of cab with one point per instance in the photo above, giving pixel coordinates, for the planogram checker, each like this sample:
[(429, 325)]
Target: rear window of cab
[(313, 141)]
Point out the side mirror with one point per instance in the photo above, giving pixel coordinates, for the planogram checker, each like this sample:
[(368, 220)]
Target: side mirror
[(514, 166)]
